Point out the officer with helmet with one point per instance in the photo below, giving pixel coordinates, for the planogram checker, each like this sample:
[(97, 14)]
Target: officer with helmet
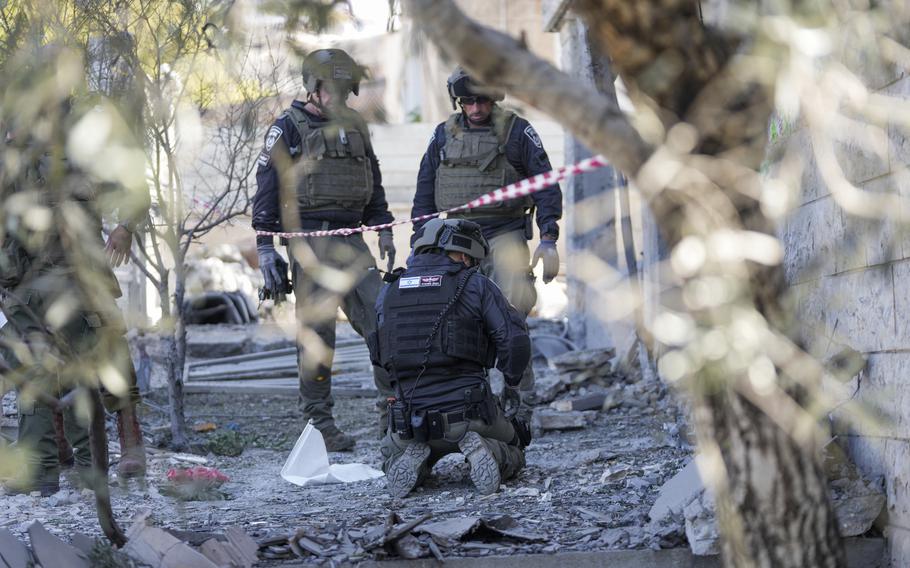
[(478, 149), (318, 171), (441, 325)]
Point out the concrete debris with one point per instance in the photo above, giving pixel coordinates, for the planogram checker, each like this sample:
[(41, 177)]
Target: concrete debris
[(701, 526), (51, 552), (13, 553), (545, 347), (857, 501), (676, 493), (554, 420), (617, 472), (237, 551), (590, 402), (159, 549), (584, 365)]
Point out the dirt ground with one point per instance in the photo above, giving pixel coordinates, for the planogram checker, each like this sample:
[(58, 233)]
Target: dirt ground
[(560, 497)]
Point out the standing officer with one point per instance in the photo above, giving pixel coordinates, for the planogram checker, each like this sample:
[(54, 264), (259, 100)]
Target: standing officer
[(56, 285), (318, 171), (480, 149), (442, 325)]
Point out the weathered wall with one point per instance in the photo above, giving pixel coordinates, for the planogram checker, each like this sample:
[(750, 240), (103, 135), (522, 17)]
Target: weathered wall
[(850, 278)]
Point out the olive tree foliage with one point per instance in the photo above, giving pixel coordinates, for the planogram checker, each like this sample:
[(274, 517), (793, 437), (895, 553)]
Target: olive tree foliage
[(708, 87), (193, 93)]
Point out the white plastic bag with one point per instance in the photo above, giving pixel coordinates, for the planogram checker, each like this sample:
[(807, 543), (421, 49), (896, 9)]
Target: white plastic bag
[(308, 463)]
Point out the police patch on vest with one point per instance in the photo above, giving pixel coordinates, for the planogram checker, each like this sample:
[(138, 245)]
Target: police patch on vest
[(272, 137), (532, 134), (420, 281)]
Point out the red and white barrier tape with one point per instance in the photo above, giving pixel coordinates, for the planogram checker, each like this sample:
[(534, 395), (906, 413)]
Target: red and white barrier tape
[(515, 190)]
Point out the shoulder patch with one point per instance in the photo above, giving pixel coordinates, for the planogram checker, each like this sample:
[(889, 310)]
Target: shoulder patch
[(420, 281), (532, 134), (272, 137)]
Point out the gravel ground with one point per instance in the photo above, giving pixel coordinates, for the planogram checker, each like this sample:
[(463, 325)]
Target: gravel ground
[(560, 496)]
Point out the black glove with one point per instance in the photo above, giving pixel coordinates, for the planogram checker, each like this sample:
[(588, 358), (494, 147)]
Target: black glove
[(546, 250), (387, 247), (274, 272), (511, 401)]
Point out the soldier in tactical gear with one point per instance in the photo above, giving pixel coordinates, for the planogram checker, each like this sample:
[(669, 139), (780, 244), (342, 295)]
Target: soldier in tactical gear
[(57, 289), (442, 325), (478, 149), (318, 171)]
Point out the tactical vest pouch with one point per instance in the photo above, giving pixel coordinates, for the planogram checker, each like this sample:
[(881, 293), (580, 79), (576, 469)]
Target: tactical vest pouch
[(334, 170), (475, 163), (466, 340)]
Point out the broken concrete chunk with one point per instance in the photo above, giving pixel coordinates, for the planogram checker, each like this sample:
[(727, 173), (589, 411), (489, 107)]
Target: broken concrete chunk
[(547, 419), (159, 549), (590, 402), (857, 508), (584, 359), (701, 526), (677, 493), (237, 551), (450, 529), (52, 552), (12, 552)]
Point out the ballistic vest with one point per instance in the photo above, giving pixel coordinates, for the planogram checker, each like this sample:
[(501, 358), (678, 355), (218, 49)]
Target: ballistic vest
[(333, 170), (475, 163), (412, 307)]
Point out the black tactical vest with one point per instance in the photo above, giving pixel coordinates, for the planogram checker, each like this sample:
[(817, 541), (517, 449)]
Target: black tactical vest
[(474, 164), (413, 305), (333, 170)]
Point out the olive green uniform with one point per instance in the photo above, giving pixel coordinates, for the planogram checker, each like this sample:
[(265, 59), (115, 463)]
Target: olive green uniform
[(58, 294)]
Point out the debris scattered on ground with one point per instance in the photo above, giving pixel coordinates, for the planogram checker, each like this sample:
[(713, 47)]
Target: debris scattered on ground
[(51, 552), (547, 419), (158, 548), (857, 500), (195, 484)]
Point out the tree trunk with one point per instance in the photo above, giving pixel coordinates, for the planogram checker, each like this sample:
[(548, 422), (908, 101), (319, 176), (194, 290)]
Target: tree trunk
[(772, 498), (174, 334), (177, 356)]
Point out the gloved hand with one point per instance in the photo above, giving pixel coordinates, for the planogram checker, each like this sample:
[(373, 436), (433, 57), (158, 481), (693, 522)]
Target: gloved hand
[(274, 270), (546, 250), (511, 401), (387, 247)]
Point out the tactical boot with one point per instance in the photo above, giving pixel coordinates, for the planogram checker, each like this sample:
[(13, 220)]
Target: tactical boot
[(46, 488), (408, 470), (484, 469), (336, 440), (132, 446)]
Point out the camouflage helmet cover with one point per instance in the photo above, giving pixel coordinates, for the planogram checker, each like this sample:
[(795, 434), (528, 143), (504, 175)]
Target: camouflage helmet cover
[(333, 65), (452, 235)]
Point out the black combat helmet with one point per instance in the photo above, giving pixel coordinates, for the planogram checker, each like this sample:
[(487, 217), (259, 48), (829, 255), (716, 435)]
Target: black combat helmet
[(460, 84), (332, 65), (452, 235)]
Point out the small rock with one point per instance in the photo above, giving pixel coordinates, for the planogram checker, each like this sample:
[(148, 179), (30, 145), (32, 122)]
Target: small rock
[(616, 472), (701, 526), (547, 419)]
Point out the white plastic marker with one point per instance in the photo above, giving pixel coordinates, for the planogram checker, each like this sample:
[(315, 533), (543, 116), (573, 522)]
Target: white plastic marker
[(515, 190), (308, 463)]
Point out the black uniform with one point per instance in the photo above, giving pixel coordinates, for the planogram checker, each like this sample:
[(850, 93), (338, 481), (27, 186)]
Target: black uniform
[(271, 205), (284, 138), (525, 153), (479, 328)]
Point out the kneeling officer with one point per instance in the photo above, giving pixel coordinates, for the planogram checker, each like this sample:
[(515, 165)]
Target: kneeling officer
[(441, 326)]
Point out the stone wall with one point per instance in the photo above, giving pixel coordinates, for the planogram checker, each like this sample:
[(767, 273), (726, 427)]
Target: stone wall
[(850, 279)]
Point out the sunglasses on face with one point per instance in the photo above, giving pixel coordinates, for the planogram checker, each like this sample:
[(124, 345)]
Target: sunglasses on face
[(469, 101)]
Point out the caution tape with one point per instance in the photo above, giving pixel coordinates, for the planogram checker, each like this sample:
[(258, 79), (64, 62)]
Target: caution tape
[(515, 190)]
